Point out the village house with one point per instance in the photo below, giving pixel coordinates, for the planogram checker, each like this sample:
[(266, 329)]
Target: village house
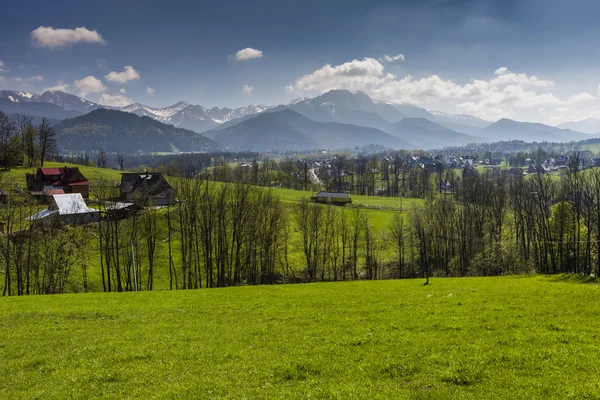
[(67, 209), (445, 187), (64, 180), (332, 198), (147, 187)]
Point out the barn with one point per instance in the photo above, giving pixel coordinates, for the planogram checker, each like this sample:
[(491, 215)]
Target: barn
[(332, 198)]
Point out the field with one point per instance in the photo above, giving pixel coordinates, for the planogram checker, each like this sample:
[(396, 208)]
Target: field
[(380, 211), (509, 337), (17, 174)]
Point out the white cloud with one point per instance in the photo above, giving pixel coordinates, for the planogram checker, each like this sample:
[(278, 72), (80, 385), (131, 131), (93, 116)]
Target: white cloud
[(353, 75), (47, 36), (128, 74), (123, 91), (149, 90), (505, 94), (247, 90), (386, 58), (2, 67), (89, 84), (579, 98), (248, 54), (507, 77), (59, 87), (118, 100)]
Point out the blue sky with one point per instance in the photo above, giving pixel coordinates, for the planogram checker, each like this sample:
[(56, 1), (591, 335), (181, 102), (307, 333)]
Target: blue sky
[(531, 59)]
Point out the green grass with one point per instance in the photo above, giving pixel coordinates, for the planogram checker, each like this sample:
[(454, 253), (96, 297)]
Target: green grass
[(17, 174), (509, 337)]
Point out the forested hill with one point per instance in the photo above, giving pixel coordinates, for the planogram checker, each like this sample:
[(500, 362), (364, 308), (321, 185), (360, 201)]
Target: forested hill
[(116, 131)]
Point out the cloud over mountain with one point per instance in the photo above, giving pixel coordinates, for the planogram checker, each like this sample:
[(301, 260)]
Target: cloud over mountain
[(505, 94), (47, 36), (89, 84), (59, 87), (129, 74), (117, 100)]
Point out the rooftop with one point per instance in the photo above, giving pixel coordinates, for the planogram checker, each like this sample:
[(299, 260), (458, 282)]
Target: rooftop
[(332, 194)]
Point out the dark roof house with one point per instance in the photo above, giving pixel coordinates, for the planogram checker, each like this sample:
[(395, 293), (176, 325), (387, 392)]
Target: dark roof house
[(147, 187)]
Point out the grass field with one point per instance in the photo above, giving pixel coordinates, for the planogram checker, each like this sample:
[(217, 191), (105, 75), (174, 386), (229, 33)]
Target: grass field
[(508, 337), (17, 174), (380, 211)]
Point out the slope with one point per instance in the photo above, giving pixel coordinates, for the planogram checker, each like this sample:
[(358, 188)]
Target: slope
[(426, 134), (116, 131), (505, 129)]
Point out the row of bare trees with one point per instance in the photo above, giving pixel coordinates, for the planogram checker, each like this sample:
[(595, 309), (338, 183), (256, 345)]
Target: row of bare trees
[(233, 234)]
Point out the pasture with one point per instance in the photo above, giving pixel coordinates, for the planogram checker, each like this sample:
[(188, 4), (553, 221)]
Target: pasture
[(506, 337)]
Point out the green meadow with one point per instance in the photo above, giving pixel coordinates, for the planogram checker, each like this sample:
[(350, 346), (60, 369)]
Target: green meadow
[(379, 210), (482, 338)]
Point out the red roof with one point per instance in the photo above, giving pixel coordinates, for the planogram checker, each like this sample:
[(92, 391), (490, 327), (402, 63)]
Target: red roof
[(82, 183), (50, 171), (50, 192)]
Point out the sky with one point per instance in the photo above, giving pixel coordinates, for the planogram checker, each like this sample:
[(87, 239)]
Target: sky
[(530, 60)]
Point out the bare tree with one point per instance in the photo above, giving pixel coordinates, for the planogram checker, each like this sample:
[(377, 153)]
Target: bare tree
[(7, 140), (46, 139), (121, 161), (102, 159)]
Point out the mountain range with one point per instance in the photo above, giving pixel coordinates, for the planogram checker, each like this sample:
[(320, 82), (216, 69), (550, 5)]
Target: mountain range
[(588, 125), (289, 130), (335, 119)]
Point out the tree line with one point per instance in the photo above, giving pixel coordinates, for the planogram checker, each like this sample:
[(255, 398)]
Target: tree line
[(21, 140), (238, 234)]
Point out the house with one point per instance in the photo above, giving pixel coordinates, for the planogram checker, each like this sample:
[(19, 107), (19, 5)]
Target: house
[(445, 187), (59, 181), (68, 209), (539, 169), (332, 198), (147, 187)]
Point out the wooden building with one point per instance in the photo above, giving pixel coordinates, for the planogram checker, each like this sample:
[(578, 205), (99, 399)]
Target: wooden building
[(332, 198), (147, 188), (54, 180)]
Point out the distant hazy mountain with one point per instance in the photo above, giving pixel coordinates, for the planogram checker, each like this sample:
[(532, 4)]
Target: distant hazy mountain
[(342, 106), (463, 123), (428, 135), (415, 124), (589, 125), (122, 132), (397, 111), (289, 130), (505, 129)]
